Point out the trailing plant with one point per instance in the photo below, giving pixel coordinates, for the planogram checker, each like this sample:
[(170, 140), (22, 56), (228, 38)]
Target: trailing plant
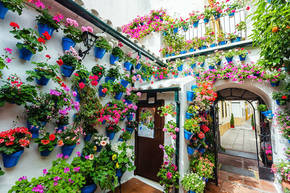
[(70, 136), (5, 59), (242, 52), (113, 73), (171, 128), (118, 52), (241, 26), (282, 168), (113, 128), (204, 168), (117, 88), (70, 58), (101, 42), (132, 97), (193, 182), (192, 125), (14, 5)]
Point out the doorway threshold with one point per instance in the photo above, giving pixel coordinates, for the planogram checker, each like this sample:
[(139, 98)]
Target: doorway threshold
[(239, 154), (150, 183)]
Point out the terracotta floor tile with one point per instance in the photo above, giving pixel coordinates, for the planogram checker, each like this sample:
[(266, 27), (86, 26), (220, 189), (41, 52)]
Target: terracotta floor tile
[(268, 186)]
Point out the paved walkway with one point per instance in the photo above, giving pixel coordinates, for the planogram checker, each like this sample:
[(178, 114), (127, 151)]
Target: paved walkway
[(240, 138)]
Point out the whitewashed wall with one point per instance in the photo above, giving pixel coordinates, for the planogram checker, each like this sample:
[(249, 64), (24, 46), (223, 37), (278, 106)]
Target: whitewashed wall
[(30, 163)]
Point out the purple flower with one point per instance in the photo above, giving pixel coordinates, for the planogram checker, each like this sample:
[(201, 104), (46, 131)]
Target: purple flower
[(66, 170), (77, 169), (38, 188), (79, 154), (44, 171), (22, 178), (70, 180), (56, 178), (66, 157), (59, 155)]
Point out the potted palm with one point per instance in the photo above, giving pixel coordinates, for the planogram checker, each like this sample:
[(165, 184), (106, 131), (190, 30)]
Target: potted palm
[(116, 55), (42, 73), (69, 62), (193, 183), (30, 44), (14, 6), (46, 143), (12, 144), (46, 22), (111, 130), (101, 47), (72, 34)]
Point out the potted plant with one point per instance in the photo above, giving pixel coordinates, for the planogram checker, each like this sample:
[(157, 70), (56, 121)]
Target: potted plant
[(191, 126), (46, 22), (275, 77), (232, 121), (204, 168), (126, 80), (191, 111), (169, 177), (98, 70), (30, 44), (179, 65), (282, 169), (192, 182), (42, 73), (132, 98), (125, 136), (242, 53), (116, 55), (217, 58), (194, 18), (101, 141), (262, 108), (46, 143), (69, 62), (112, 74), (5, 59), (61, 122), (118, 90), (12, 144), (14, 6), (68, 139), (281, 97), (101, 47), (230, 55), (72, 34), (105, 88), (231, 9), (241, 27), (207, 14), (221, 39), (232, 37), (111, 130), (217, 10), (129, 62), (201, 60), (16, 92), (131, 126)]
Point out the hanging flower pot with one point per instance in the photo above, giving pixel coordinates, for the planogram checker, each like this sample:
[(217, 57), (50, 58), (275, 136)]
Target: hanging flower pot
[(180, 68), (217, 16), (175, 30), (113, 59), (206, 20), (229, 59), (164, 33), (128, 101), (119, 173), (211, 67), (190, 150), (11, 160), (66, 70), (124, 83), (42, 81), (218, 63), (67, 43), (202, 150), (191, 191), (190, 95), (188, 115), (129, 129), (88, 137), (99, 52), (185, 28), (193, 66), (231, 14), (202, 47), (192, 50), (44, 28), (213, 45), (183, 52), (60, 128), (111, 135), (242, 57), (222, 43), (278, 102), (128, 65), (89, 188), (275, 84), (130, 117), (3, 11), (138, 66), (99, 148), (118, 96), (45, 153), (187, 134), (107, 79), (195, 24), (101, 93), (67, 150), (34, 129), (202, 64), (25, 54)]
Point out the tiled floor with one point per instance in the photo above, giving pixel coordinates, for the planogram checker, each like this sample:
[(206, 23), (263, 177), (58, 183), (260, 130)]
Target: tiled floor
[(240, 138)]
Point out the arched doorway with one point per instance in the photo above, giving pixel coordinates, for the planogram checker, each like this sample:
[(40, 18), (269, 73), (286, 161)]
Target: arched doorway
[(262, 134)]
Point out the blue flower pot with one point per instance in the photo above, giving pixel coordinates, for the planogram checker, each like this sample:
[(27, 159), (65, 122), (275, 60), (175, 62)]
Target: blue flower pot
[(120, 139), (206, 20), (128, 65), (88, 137), (194, 87), (129, 129), (34, 130), (111, 135), (180, 68), (128, 102), (288, 140), (242, 58), (3, 11), (99, 148), (218, 63), (175, 30), (188, 115), (205, 179), (190, 96), (113, 59), (130, 117), (42, 81), (101, 93), (202, 65), (11, 160), (164, 34), (187, 134), (190, 150), (99, 52), (60, 127), (275, 84), (277, 102), (107, 79), (25, 54), (67, 150), (119, 173), (193, 66), (173, 54), (217, 16), (231, 14), (43, 28), (197, 74), (222, 43), (89, 188), (211, 67), (45, 153), (67, 43), (191, 50), (138, 66), (202, 47), (229, 59), (191, 191), (66, 70), (118, 96), (213, 45), (185, 28), (195, 24), (202, 150), (183, 52), (237, 39), (124, 83)]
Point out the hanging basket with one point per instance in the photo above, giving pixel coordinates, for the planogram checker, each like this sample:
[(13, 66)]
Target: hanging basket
[(11, 160)]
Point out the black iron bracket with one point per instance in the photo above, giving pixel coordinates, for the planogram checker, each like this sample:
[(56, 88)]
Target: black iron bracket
[(89, 40)]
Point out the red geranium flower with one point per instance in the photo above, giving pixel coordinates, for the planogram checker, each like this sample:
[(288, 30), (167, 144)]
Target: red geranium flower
[(41, 40), (51, 137), (82, 85), (201, 135), (14, 25), (45, 142), (48, 56), (284, 97), (46, 35), (59, 62)]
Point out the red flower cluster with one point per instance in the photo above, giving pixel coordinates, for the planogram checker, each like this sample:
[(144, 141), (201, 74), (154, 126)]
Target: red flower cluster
[(51, 139), (14, 25), (205, 128), (19, 136)]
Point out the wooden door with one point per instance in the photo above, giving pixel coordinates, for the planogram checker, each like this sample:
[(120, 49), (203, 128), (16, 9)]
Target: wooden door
[(149, 157)]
